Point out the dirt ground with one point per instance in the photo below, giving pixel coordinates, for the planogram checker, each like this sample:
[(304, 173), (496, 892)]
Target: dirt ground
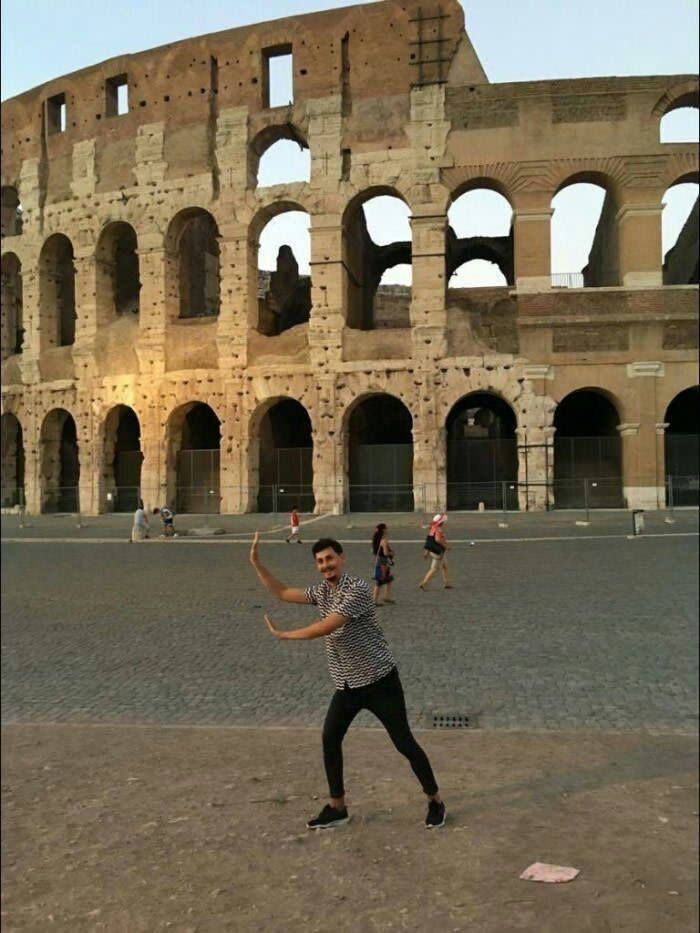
[(144, 828)]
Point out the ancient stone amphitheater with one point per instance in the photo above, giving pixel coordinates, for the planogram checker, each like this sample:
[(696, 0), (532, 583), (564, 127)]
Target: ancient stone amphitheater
[(145, 355)]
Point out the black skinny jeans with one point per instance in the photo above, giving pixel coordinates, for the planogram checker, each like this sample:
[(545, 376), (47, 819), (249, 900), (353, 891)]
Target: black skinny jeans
[(385, 699)]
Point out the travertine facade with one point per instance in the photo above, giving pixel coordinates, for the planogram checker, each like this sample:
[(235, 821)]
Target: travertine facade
[(390, 99)]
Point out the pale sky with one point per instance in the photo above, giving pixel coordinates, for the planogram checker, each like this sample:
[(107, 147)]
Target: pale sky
[(42, 39)]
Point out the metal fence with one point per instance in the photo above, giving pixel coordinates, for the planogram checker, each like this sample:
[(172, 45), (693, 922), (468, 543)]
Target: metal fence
[(588, 472), (197, 488), (567, 280), (381, 478), (61, 499), (286, 480)]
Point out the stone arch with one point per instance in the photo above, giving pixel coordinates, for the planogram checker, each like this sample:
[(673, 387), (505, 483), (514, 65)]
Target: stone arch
[(193, 444), (122, 458), (482, 452), (193, 264), (59, 459), (268, 138), (57, 312), (13, 492), (365, 261), (283, 295), (682, 443), (378, 453), (118, 280), (464, 244), (12, 310), (10, 211), (681, 219), (280, 433), (683, 94), (602, 267), (588, 450)]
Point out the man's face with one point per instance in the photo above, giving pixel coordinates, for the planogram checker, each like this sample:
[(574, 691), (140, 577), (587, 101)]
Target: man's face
[(330, 564)]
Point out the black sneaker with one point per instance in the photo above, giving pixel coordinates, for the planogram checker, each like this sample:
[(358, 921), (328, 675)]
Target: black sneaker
[(435, 817), (328, 818)]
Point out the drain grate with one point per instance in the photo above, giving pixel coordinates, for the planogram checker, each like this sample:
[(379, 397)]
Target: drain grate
[(453, 721)]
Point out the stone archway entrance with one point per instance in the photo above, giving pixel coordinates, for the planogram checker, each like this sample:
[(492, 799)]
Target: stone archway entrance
[(380, 456), (194, 459), (60, 463), (681, 449), (285, 466), (482, 453), (587, 453), (123, 458), (12, 462)]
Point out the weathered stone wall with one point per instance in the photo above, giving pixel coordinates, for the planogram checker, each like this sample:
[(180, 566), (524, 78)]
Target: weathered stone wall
[(379, 118)]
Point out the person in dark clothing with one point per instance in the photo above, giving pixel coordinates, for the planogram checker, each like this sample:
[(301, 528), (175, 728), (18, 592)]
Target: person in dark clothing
[(362, 668)]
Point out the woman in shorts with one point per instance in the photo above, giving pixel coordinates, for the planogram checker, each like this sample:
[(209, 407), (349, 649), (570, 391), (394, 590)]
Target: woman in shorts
[(383, 562), (437, 554)]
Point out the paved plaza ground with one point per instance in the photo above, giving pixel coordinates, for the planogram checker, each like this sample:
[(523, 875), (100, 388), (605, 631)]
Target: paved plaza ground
[(161, 750)]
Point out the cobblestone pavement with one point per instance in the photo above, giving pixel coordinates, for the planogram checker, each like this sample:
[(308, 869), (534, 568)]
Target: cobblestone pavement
[(595, 632)]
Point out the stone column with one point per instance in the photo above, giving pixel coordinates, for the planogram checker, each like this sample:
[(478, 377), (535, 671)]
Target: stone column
[(328, 299), (428, 315), (158, 302), (532, 248), (664, 497), (643, 482), (328, 440), (639, 232), (237, 295), (153, 467)]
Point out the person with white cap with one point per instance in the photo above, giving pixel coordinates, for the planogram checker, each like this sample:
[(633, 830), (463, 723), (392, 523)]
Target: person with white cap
[(435, 549)]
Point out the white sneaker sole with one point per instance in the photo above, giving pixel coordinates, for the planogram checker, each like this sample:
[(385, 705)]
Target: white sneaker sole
[(437, 825), (341, 822)]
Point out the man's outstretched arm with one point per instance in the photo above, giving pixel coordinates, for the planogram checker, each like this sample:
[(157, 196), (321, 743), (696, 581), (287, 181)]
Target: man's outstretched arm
[(315, 630), (287, 594)]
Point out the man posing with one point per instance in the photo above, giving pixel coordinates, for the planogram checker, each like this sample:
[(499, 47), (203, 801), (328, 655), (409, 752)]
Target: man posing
[(362, 668)]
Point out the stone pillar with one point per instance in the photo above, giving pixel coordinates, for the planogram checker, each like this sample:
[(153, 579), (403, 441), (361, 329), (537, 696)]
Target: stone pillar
[(532, 247), (328, 299), (89, 452), (32, 467), (236, 297), (639, 231), (661, 478), (643, 482), (153, 467), (158, 303), (329, 449), (428, 316), (429, 464)]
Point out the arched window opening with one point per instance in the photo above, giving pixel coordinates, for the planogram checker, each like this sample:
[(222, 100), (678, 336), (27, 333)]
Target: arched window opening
[(482, 453), (377, 249), (12, 462), (123, 459), (284, 162), (194, 459), (10, 211), (679, 125), (119, 285), (587, 452), (478, 273), (285, 477), (198, 266), (584, 237), (57, 292), (380, 456), (392, 301), (679, 234), (284, 281), (479, 233), (60, 463), (682, 446), (12, 315)]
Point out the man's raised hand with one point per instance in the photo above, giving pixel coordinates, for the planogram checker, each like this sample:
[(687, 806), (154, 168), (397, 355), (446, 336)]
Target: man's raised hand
[(254, 549)]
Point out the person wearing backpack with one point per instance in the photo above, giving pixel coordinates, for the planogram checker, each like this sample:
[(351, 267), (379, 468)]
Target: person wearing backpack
[(435, 548)]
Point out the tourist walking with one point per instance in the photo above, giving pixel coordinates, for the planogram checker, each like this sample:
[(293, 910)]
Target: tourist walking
[(436, 549), (383, 562), (140, 528), (294, 530), (362, 668)]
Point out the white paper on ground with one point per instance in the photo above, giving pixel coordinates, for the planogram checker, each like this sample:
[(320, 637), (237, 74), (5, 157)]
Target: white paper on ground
[(554, 874)]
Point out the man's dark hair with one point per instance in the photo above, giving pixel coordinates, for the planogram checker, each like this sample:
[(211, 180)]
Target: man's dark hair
[(156, 511), (324, 543)]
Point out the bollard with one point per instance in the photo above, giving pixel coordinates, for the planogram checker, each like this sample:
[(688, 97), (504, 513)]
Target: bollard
[(637, 521)]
